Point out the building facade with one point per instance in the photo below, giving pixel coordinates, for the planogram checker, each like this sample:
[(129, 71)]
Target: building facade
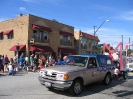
[(35, 35), (85, 43)]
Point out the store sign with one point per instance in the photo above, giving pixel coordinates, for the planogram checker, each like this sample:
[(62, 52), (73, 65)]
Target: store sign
[(32, 41)]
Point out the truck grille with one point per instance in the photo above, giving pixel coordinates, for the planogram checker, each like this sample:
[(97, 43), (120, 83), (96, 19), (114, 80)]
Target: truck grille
[(53, 75), (50, 76)]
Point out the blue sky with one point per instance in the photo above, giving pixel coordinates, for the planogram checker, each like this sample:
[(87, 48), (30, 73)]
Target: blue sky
[(81, 14)]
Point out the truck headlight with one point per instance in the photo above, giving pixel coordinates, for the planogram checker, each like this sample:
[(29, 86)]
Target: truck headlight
[(42, 73), (62, 77)]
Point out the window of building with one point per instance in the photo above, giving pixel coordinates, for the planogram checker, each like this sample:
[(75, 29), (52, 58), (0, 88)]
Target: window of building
[(89, 44), (45, 36), (61, 38), (69, 39), (84, 46), (10, 36), (65, 38), (40, 36), (34, 34)]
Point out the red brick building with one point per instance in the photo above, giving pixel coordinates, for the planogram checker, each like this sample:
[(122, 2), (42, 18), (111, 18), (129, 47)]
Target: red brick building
[(85, 43)]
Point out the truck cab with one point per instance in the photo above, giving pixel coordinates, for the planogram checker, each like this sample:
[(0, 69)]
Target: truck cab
[(78, 71)]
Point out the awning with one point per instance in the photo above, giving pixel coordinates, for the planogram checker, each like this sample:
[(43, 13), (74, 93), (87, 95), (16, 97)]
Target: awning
[(41, 28), (41, 48), (22, 48), (66, 50), (1, 33), (66, 33), (8, 32)]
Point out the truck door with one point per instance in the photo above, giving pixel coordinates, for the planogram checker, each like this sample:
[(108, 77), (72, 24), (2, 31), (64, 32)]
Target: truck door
[(92, 70)]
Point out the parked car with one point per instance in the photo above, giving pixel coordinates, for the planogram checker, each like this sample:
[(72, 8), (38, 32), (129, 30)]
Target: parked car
[(78, 71)]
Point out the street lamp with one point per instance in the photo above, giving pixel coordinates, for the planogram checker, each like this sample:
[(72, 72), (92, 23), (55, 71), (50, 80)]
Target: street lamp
[(99, 26)]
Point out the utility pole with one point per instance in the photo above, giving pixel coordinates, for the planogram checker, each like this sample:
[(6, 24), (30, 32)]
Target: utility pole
[(94, 30), (132, 45), (129, 43)]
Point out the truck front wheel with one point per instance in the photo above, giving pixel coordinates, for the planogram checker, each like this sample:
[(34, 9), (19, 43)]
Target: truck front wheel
[(76, 87), (124, 75)]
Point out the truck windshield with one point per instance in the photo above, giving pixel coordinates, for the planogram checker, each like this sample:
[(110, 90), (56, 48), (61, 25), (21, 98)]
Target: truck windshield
[(76, 61)]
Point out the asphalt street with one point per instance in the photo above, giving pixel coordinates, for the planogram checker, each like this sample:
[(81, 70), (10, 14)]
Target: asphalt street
[(27, 86)]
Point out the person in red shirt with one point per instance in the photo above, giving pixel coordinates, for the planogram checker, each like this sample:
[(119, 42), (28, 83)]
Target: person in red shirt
[(6, 60)]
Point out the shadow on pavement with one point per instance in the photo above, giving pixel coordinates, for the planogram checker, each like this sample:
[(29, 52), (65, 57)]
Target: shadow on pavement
[(17, 74), (98, 87)]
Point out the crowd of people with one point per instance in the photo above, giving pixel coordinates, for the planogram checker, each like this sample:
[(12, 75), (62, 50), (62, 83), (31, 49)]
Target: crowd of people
[(7, 64), (35, 62)]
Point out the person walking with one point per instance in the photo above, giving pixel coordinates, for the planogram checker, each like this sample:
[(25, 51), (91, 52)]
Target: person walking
[(21, 60), (6, 60), (36, 63), (32, 61), (1, 65), (26, 68)]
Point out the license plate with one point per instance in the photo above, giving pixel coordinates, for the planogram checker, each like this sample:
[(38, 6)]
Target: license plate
[(47, 84)]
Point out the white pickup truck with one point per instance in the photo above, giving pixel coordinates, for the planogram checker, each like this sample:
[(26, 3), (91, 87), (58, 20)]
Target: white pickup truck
[(78, 71)]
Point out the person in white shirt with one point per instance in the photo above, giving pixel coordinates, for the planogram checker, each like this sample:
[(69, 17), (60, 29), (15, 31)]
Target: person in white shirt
[(10, 69)]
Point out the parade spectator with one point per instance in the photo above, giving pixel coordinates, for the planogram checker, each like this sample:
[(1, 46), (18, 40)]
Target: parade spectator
[(21, 60), (6, 60), (15, 59), (11, 67), (58, 62), (53, 62), (40, 63), (26, 59), (26, 68), (36, 63), (50, 58), (43, 60), (32, 61), (15, 65), (64, 60), (2, 63)]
